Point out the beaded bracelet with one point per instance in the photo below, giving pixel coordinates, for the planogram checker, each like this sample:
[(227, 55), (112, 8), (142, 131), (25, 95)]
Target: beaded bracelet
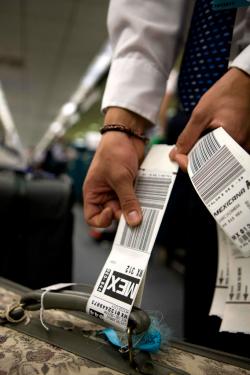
[(124, 129)]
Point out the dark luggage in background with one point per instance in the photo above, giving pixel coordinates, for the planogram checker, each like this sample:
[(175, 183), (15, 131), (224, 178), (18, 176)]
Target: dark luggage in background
[(74, 345), (36, 224), (77, 169)]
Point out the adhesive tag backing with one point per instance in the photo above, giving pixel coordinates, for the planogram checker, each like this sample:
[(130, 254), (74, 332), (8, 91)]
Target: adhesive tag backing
[(222, 280), (231, 300), (116, 288), (236, 315)]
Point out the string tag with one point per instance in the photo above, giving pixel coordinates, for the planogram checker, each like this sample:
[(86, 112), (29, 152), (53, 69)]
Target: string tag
[(54, 287)]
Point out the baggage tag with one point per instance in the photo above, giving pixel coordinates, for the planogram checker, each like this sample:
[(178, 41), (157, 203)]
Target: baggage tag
[(222, 279), (231, 301), (236, 315), (227, 4), (122, 275), (220, 172)]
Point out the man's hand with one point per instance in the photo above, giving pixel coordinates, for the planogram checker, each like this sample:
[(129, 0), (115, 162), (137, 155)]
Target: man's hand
[(226, 104), (109, 186)]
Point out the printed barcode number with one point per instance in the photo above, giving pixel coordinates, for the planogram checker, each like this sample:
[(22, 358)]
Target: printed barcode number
[(245, 237), (152, 191), (207, 147), (217, 174), (138, 238)]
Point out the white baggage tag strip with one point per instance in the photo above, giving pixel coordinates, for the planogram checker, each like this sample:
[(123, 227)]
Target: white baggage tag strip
[(220, 172), (222, 280), (116, 288), (236, 317), (231, 300)]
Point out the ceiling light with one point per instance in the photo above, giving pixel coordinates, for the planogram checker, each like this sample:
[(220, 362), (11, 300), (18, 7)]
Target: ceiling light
[(68, 109)]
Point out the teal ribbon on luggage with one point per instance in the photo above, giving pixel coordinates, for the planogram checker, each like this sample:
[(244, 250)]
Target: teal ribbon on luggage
[(149, 341)]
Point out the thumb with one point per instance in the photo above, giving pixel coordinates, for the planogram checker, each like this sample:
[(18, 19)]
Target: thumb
[(198, 122), (129, 203)]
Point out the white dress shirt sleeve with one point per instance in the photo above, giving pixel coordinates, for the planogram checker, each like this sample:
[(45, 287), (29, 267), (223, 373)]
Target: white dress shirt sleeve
[(144, 36), (240, 50), (242, 61)]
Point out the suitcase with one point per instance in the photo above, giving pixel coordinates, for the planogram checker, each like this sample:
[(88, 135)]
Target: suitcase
[(36, 223), (74, 345)]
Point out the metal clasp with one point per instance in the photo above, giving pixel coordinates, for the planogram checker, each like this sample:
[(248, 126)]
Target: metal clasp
[(128, 349), (130, 346)]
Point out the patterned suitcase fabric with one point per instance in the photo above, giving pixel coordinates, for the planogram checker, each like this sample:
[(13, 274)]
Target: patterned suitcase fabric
[(21, 354)]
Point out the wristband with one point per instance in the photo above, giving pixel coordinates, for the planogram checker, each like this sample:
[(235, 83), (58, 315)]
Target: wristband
[(124, 129)]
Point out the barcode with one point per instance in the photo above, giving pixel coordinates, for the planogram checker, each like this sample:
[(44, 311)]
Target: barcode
[(138, 238), (244, 238), (218, 173), (152, 191), (208, 146)]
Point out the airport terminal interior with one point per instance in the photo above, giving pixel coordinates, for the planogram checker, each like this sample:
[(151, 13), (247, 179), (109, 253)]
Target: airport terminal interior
[(53, 54), (55, 57)]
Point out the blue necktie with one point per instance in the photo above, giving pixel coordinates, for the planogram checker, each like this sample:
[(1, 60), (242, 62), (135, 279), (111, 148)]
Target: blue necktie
[(206, 53)]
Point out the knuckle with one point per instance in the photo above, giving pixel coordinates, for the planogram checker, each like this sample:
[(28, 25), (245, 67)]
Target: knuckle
[(129, 201)]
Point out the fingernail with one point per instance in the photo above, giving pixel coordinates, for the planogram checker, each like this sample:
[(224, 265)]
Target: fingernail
[(133, 217)]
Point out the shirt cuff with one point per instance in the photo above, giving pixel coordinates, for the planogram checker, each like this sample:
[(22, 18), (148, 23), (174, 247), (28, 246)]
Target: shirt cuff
[(135, 85), (242, 61)]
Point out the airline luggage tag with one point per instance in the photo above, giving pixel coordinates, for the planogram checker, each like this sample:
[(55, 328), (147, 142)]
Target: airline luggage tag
[(122, 276), (220, 172), (219, 169)]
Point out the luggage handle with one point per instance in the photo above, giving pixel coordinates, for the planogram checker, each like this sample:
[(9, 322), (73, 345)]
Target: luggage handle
[(139, 320)]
